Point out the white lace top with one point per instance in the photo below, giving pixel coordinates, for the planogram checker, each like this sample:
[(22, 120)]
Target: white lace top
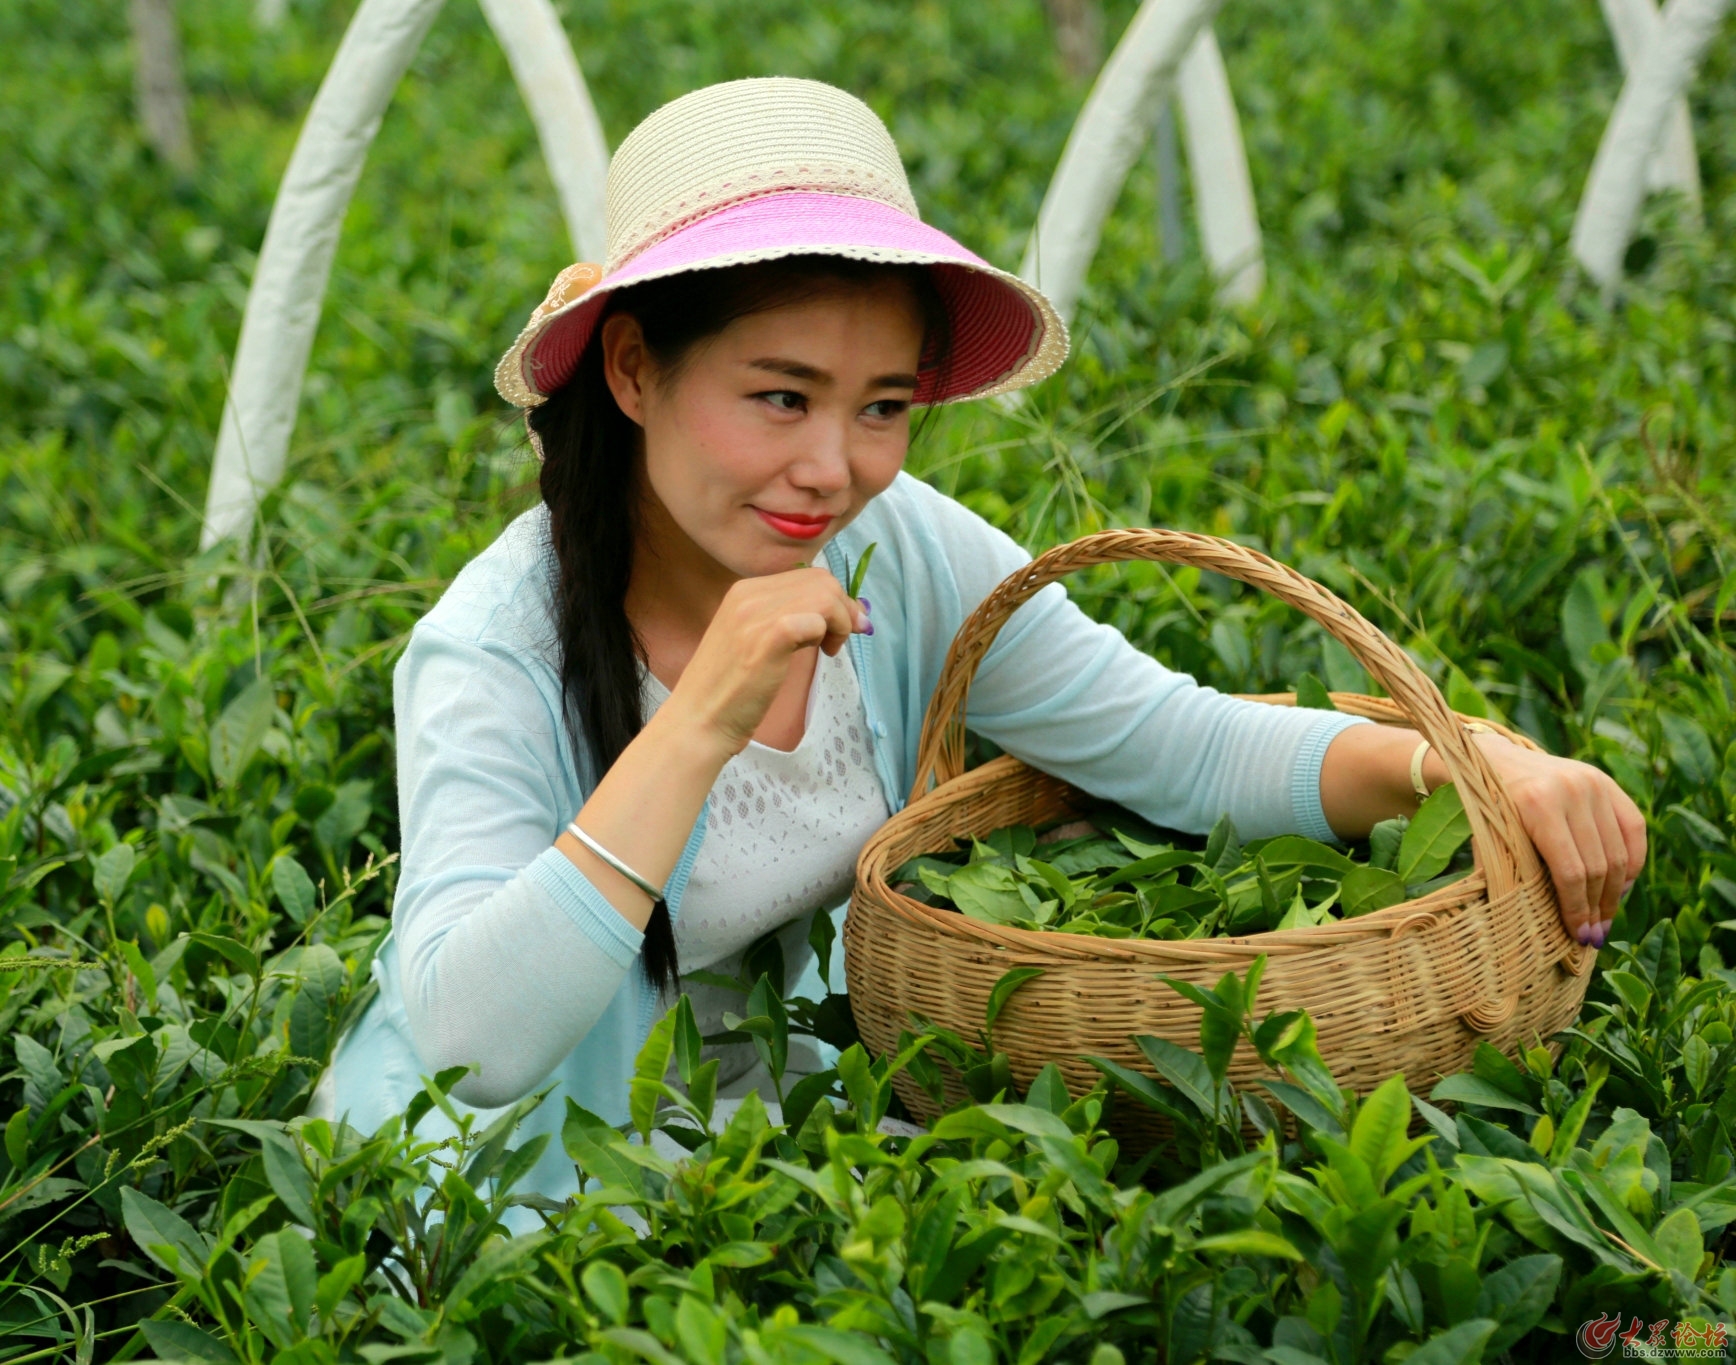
[(783, 829)]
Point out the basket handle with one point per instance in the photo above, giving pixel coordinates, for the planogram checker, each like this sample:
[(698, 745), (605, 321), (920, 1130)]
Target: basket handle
[(1504, 851)]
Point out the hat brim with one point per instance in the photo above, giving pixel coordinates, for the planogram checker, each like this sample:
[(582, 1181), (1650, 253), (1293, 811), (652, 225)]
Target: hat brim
[(1005, 333)]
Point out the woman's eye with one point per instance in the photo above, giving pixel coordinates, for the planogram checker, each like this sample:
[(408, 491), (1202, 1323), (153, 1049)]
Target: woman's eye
[(886, 407), (786, 400)]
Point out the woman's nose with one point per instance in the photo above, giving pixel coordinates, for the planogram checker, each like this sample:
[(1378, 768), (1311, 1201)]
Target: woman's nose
[(824, 465)]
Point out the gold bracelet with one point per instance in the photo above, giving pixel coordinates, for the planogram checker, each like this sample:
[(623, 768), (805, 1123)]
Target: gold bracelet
[(1472, 727)]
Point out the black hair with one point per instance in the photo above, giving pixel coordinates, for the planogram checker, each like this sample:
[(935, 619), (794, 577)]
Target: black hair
[(592, 482)]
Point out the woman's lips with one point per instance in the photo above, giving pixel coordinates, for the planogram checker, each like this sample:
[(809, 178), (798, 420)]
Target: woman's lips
[(794, 525)]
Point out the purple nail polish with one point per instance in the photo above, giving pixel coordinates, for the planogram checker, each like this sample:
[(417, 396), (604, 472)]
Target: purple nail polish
[(868, 629), (1598, 934), (1582, 934), (866, 604)]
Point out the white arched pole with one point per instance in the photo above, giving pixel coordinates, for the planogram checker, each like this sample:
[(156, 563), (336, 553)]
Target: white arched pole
[(1229, 224), (1617, 183), (567, 126), (1105, 140), (1674, 165), (289, 282)]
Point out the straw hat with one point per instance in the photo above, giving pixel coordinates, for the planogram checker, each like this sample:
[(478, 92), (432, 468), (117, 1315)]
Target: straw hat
[(753, 170)]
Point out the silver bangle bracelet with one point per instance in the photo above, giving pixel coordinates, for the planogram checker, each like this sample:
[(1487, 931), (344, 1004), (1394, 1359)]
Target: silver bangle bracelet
[(655, 893)]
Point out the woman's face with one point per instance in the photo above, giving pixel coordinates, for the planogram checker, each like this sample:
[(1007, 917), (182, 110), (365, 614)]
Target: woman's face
[(772, 435)]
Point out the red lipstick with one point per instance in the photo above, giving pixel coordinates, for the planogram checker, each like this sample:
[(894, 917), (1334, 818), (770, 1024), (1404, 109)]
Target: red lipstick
[(794, 525)]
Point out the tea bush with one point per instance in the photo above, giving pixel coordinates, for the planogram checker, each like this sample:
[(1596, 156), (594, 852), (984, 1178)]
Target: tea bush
[(1523, 483)]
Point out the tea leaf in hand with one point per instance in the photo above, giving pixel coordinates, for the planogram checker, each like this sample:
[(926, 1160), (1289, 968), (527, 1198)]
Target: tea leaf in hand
[(861, 570)]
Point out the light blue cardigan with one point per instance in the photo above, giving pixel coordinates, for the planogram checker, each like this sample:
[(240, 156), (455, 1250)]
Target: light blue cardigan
[(504, 954)]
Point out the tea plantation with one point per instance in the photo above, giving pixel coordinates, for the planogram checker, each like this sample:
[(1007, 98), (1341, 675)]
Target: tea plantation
[(1525, 483)]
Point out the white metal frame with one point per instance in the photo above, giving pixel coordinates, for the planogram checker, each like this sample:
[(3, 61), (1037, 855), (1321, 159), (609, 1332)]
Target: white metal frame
[(289, 282), (1658, 76)]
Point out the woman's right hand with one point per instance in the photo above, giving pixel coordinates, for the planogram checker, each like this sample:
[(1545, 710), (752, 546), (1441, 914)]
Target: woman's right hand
[(744, 657)]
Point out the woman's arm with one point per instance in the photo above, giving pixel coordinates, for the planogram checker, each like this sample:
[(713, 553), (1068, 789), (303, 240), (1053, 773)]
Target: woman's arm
[(648, 801), (1590, 834), (511, 946), (1074, 698)]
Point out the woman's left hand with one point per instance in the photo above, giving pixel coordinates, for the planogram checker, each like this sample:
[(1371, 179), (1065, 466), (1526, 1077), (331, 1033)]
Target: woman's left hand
[(1589, 832)]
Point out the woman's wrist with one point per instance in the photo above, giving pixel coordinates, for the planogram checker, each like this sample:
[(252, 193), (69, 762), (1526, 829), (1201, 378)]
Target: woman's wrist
[(689, 740), (1434, 769)]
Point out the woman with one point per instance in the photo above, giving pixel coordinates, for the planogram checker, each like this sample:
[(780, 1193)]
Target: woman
[(648, 725)]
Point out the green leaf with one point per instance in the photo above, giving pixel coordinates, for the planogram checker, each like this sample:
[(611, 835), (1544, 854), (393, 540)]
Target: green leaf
[(239, 730), (1678, 1238), (1147, 1091), (314, 1013), (228, 949), (294, 888), (1517, 1296), (1249, 1242), (983, 891), (1223, 847), (649, 1069), (688, 1042), (1186, 1071), (183, 1341), (337, 1282), (773, 1042), (1292, 850), (597, 1148), (1048, 1090), (1690, 749), (1436, 832), (1384, 842), (1379, 1136), (18, 1139), (1311, 694), (1460, 1345), (822, 933), (1491, 1064), (1004, 989), (842, 1348), (1367, 889), (1660, 957), (1697, 1063), (861, 570), (162, 1234), (1465, 1088), (142, 972), (606, 1287), (111, 872), (1634, 992), (700, 1332), (281, 1284), (1582, 625)]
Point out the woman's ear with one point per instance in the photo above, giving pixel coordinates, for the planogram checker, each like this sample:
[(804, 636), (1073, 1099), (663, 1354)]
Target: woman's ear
[(626, 364)]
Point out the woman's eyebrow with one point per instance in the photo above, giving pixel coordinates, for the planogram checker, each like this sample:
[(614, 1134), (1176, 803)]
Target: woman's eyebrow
[(796, 369)]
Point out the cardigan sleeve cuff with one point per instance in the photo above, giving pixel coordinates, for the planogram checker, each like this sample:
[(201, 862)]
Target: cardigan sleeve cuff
[(586, 906), (1305, 781)]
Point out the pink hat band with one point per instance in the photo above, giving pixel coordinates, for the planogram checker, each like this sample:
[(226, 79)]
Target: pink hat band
[(995, 329)]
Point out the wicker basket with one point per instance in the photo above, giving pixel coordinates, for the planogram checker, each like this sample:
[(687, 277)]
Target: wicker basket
[(1412, 988)]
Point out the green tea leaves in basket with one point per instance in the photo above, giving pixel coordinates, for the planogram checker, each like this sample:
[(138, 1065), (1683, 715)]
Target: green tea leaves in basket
[(1437, 832), (1113, 876)]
